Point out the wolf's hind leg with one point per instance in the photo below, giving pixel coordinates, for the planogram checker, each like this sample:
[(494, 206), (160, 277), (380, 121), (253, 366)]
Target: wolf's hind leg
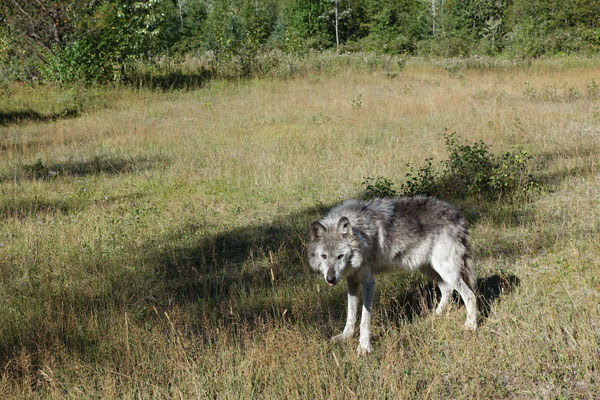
[(470, 304), (353, 292), (445, 288), (446, 292), (449, 271)]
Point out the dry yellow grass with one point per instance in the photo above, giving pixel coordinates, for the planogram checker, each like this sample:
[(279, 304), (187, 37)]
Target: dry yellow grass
[(152, 247)]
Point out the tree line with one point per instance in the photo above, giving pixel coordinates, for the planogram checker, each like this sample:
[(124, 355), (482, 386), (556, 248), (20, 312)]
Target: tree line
[(99, 40)]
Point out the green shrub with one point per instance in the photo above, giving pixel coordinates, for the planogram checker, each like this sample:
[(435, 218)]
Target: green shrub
[(424, 181), (378, 187), (78, 61), (471, 170), (512, 175), (469, 167)]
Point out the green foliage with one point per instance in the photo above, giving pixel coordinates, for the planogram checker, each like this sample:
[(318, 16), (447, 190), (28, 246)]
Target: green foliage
[(236, 36), (378, 187), (5, 46), (105, 40), (424, 181), (394, 27), (471, 170), (9, 67), (511, 174), (357, 102), (301, 23), (469, 167), (192, 26), (79, 61), (112, 39), (540, 27)]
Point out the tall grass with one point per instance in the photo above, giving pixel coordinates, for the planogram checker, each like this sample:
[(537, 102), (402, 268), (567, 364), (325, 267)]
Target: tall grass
[(152, 245)]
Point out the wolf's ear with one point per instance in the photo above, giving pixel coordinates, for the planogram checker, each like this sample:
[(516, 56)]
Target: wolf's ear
[(344, 228), (316, 230)]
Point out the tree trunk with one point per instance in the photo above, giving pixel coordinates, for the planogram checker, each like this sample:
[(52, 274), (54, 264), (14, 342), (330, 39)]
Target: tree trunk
[(180, 14), (337, 35), (433, 16)]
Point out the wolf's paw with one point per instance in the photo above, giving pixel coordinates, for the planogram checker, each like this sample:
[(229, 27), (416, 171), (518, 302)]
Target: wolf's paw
[(341, 337), (439, 310), (470, 326), (363, 349)]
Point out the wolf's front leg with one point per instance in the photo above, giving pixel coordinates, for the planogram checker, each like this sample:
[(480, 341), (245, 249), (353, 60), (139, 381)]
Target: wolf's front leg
[(364, 341), (353, 289)]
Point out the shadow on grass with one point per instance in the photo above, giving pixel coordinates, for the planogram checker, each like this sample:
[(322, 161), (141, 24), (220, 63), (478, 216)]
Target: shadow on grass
[(240, 271), (24, 116), (95, 166), (227, 281), (491, 288), (24, 144), (169, 79), (421, 300), (27, 207), (23, 208), (548, 180)]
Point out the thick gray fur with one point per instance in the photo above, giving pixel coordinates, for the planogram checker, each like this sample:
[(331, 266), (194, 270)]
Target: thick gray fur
[(358, 239)]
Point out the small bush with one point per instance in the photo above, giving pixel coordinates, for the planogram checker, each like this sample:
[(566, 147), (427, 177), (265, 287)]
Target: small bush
[(77, 62), (357, 102), (512, 174), (378, 187), (471, 170), (424, 181)]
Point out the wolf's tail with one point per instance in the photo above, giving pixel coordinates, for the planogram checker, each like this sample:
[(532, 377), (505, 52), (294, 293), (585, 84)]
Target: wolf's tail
[(467, 271)]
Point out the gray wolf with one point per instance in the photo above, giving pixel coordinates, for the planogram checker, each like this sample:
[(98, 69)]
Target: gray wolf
[(359, 239)]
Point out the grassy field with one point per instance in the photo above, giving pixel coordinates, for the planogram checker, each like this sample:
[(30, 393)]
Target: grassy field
[(151, 242)]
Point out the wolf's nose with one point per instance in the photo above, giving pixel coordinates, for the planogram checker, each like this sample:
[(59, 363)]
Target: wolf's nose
[(331, 280)]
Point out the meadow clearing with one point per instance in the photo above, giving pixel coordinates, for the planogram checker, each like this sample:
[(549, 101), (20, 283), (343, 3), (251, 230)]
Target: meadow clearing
[(152, 242)]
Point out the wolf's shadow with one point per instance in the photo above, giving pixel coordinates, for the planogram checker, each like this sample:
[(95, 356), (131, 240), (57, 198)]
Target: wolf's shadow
[(421, 300)]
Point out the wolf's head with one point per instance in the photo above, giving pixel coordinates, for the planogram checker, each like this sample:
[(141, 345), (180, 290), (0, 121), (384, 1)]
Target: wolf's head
[(333, 250)]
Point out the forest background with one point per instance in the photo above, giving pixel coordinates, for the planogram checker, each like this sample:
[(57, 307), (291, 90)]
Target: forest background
[(109, 40)]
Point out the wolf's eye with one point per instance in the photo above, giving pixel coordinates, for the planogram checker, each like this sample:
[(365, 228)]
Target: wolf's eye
[(323, 256), (340, 256)]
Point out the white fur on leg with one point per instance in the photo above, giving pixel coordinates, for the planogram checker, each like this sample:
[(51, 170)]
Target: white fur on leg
[(364, 342), (446, 292), (470, 326), (446, 268), (353, 289), (363, 348), (470, 304)]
